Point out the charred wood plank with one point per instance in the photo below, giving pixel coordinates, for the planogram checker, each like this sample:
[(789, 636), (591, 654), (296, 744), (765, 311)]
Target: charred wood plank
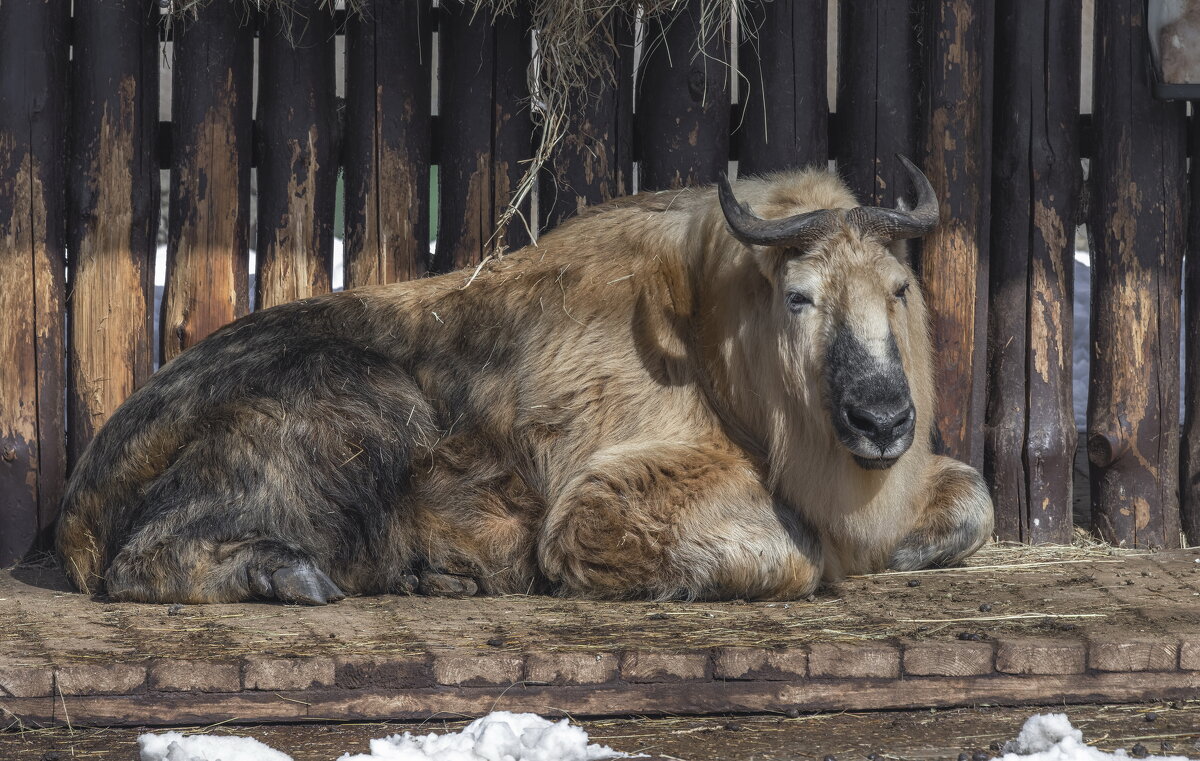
[(1137, 226), (297, 153), (1190, 467), (33, 109), (487, 132), (785, 104), (1036, 175), (594, 161), (387, 152), (207, 247), (113, 204), (683, 100), (880, 93)]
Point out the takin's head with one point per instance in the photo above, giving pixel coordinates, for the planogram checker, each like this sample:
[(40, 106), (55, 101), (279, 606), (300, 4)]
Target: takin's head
[(847, 318)]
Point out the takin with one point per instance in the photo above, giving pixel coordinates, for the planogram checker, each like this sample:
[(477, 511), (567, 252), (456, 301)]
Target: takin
[(675, 395)]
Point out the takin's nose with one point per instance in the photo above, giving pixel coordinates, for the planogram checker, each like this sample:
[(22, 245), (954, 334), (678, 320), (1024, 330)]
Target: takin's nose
[(881, 424)]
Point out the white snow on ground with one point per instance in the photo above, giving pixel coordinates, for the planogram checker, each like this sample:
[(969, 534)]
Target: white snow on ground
[(499, 736), (172, 746), (1050, 737)]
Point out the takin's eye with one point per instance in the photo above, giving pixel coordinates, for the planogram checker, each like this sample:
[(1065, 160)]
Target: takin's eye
[(796, 301), (902, 292)]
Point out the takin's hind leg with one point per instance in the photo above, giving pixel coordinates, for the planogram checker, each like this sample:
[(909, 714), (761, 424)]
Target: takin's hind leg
[(667, 520), (188, 570), (956, 519)]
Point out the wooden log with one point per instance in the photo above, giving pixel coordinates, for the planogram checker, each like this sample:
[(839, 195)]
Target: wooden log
[(1190, 456), (388, 142), (33, 109), (207, 268), (1137, 225), (954, 261), (880, 95), (683, 101), (785, 103), (487, 133), (1030, 433), (113, 204), (594, 161), (297, 153)]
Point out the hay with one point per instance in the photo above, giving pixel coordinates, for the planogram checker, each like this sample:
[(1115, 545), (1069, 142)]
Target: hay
[(573, 61)]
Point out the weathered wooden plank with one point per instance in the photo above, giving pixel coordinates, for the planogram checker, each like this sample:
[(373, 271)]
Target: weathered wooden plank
[(594, 161), (297, 153), (33, 109), (954, 262), (1137, 225), (683, 101), (880, 92), (389, 64), (1190, 456), (1030, 433), (113, 202), (207, 268), (487, 132), (785, 103)]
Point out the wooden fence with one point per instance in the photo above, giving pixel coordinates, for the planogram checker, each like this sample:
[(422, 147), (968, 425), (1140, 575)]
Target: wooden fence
[(985, 94)]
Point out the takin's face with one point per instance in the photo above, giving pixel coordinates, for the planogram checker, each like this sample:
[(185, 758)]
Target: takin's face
[(848, 310)]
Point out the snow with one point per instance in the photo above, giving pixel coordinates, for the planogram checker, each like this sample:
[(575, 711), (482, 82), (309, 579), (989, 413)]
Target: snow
[(173, 746), (1050, 737), (499, 736)]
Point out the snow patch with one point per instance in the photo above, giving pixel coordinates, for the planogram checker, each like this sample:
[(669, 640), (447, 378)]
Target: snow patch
[(173, 746), (1050, 737)]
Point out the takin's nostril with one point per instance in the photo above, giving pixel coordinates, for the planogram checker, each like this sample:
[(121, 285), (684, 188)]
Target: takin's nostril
[(881, 424)]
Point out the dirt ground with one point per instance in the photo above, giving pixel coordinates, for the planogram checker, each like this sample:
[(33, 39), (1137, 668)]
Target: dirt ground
[(1159, 728)]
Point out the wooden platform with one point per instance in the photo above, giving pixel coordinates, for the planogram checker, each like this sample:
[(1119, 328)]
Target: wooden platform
[(1017, 626)]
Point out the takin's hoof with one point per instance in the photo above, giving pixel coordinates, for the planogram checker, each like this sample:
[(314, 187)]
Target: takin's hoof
[(446, 585), (302, 583)]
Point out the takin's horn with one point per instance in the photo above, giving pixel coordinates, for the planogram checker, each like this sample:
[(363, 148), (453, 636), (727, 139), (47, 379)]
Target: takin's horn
[(899, 223), (752, 229)]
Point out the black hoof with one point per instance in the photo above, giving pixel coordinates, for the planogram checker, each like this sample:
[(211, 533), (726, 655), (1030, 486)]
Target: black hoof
[(445, 585), (301, 583)]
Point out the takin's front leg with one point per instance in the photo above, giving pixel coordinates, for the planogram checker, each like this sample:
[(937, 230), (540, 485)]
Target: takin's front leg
[(664, 520), (956, 519)]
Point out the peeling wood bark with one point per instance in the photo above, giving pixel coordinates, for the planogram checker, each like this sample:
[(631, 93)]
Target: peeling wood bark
[(954, 260), (880, 92), (1030, 432), (389, 62), (683, 102), (1190, 466), (1136, 222), (33, 108), (487, 133), (113, 200), (785, 112), (207, 268), (297, 154), (594, 162)]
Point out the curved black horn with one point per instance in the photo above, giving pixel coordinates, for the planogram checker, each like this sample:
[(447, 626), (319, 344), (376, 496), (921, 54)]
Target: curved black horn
[(750, 228), (898, 224)]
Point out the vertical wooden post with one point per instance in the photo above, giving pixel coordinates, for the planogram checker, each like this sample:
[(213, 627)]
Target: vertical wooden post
[(1138, 177), (954, 261), (879, 96), (1030, 434), (33, 108), (297, 156), (785, 103), (113, 199), (683, 101), (207, 268), (1190, 456), (594, 162), (487, 133), (389, 63)]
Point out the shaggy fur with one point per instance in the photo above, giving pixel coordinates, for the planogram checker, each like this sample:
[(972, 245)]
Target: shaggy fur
[(628, 409)]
